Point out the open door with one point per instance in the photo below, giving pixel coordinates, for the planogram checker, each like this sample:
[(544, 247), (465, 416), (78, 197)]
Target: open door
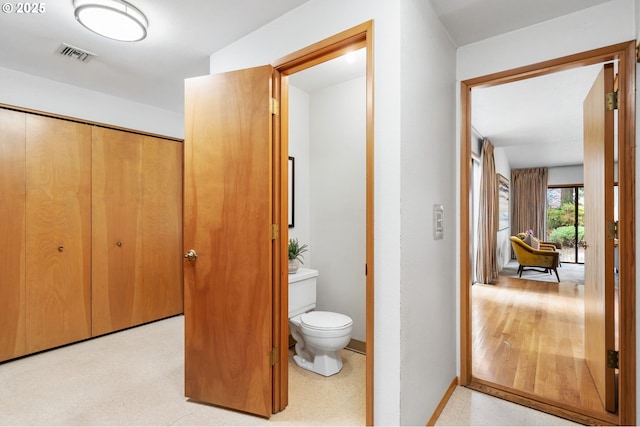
[(598, 200), (228, 238)]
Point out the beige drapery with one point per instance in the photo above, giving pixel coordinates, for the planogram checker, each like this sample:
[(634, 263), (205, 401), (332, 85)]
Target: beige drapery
[(487, 258), (529, 194)]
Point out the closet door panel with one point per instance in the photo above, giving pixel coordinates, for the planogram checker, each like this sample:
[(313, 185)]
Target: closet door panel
[(162, 229), (117, 229), (58, 240), (12, 230)]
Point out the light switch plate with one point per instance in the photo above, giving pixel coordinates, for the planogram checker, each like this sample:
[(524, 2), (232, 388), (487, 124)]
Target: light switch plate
[(438, 222)]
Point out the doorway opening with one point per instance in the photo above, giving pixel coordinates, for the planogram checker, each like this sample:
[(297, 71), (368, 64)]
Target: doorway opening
[(625, 54), (345, 43), (327, 145)]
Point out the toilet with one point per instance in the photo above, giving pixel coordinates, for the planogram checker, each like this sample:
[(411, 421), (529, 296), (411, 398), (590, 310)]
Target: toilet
[(319, 335)]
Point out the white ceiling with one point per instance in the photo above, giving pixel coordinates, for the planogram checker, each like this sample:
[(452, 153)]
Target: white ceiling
[(469, 21), (182, 35), (538, 122)]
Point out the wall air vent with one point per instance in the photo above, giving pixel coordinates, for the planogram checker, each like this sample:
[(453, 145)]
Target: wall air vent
[(75, 53)]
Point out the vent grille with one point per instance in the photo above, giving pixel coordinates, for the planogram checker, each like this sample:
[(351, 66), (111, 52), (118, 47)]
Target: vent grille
[(75, 53)]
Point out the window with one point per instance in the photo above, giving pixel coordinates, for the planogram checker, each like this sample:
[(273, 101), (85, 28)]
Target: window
[(565, 221)]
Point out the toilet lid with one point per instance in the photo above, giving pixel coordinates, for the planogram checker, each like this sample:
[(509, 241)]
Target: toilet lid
[(325, 320)]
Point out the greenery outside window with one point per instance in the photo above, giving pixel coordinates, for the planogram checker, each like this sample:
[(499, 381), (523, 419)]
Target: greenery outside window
[(565, 221)]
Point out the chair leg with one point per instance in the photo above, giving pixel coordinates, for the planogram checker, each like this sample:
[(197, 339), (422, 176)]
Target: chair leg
[(556, 271), (520, 270)]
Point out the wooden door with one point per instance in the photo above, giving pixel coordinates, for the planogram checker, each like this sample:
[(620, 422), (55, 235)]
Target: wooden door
[(227, 222), (137, 232), (58, 233), (116, 228), (598, 210), (12, 229), (161, 292)]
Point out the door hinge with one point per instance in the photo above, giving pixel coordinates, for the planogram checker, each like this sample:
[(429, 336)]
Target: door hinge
[(612, 229), (612, 359), (275, 231), (611, 101), (274, 107), (274, 357)]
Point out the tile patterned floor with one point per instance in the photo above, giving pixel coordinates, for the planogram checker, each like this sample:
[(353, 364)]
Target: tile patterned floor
[(471, 408), (135, 377)]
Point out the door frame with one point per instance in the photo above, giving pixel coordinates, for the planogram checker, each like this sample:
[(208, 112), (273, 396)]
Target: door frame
[(625, 53), (335, 46)]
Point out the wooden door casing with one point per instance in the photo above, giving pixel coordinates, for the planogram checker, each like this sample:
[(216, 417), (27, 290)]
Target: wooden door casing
[(58, 233), (598, 202), (625, 53), (227, 220), (12, 228)]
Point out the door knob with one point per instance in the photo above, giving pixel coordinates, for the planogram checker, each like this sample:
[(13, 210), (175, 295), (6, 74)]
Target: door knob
[(191, 255)]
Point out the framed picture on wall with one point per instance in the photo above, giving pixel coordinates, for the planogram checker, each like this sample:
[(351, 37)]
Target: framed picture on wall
[(292, 171), (503, 202)]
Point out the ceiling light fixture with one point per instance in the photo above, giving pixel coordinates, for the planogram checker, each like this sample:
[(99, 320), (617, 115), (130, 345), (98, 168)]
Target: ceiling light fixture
[(114, 19)]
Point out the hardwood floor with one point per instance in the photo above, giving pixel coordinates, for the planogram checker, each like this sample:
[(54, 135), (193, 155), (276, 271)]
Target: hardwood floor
[(528, 335)]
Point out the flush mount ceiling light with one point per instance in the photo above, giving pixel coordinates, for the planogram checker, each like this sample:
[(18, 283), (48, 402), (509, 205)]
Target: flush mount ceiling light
[(114, 19)]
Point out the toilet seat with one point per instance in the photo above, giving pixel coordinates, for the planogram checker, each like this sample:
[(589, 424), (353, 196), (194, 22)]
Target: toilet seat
[(325, 321)]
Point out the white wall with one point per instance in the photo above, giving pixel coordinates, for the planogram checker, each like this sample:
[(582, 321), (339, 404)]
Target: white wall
[(328, 139), (299, 142), (566, 175), (415, 341), (29, 91), (603, 25), (338, 199), (428, 282)]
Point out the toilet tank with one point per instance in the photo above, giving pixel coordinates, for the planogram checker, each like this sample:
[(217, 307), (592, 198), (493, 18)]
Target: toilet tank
[(302, 291)]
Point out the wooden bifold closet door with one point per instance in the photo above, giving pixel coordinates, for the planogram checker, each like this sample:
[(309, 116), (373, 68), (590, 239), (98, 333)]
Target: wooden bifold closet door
[(91, 222), (12, 219), (58, 232), (137, 213)]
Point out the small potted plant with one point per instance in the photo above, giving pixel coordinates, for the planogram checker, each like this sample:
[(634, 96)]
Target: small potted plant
[(295, 255)]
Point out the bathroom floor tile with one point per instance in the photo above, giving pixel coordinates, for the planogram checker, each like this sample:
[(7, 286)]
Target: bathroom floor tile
[(136, 377)]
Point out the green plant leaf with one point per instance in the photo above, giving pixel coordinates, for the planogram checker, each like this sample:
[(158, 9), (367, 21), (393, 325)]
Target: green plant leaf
[(296, 250)]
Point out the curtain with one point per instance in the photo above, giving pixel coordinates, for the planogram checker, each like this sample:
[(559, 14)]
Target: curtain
[(529, 193), (487, 257)]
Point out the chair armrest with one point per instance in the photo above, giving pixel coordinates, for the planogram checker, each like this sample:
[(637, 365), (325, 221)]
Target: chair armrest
[(547, 247), (545, 252), (554, 244)]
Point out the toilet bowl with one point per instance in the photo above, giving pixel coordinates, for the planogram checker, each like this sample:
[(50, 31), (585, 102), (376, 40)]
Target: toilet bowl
[(319, 335)]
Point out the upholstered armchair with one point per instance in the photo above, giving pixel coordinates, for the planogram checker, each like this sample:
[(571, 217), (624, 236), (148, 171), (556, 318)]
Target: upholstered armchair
[(546, 257)]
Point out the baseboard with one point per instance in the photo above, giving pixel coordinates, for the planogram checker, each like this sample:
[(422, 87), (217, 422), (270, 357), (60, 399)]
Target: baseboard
[(354, 345), (357, 346), (443, 402), (539, 403)]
